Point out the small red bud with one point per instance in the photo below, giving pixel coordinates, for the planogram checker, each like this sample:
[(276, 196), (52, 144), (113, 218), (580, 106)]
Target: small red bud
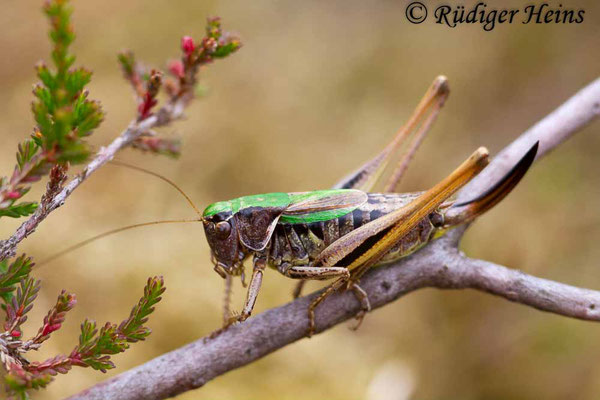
[(48, 329), (146, 106), (176, 68), (15, 333), (13, 195), (154, 143), (187, 45)]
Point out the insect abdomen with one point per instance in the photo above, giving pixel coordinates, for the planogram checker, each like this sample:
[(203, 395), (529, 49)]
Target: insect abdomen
[(300, 243)]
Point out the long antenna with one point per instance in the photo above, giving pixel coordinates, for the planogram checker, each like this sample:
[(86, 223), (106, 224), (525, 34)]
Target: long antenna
[(170, 182), (107, 233), (124, 228)]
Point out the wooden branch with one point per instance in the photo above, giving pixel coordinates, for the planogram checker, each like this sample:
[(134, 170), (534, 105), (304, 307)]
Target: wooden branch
[(165, 115), (438, 265), (543, 294)]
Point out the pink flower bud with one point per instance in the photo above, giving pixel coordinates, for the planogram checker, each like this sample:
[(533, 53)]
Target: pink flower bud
[(15, 334), (154, 143), (176, 68), (187, 45), (49, 328), (13, 195), (146, 106)]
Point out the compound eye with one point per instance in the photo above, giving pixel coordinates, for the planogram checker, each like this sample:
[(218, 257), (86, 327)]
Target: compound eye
[(223, 230)]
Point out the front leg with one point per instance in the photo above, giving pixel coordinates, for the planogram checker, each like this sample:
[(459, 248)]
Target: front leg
[(258, 269)]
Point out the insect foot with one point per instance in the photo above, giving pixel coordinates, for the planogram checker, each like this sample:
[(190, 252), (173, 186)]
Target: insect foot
[(231, 320), (363, 298), (235, 318)]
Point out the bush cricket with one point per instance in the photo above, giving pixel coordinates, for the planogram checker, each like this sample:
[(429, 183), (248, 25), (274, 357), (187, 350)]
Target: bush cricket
[(341, 233)]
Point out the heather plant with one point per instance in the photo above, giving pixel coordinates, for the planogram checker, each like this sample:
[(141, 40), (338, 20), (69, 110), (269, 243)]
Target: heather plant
[(65, 116)]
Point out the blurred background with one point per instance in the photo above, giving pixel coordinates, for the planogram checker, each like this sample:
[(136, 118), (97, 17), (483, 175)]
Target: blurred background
[(318, 88)]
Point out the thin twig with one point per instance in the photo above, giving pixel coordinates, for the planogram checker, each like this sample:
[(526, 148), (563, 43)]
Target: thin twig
[(166, 114), (438, 265)]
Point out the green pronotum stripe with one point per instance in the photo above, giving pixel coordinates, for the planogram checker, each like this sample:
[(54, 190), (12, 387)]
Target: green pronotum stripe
[(216, 208), (277, 200), (281, 200)]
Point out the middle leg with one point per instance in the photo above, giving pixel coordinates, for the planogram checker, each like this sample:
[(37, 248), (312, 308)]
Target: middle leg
[(318, 273)]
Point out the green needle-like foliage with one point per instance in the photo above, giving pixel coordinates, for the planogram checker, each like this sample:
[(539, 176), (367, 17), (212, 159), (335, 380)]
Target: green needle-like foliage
[(62, 110), (64, 118), (13, 273), (20, 304), (95, 347), (63, 114)]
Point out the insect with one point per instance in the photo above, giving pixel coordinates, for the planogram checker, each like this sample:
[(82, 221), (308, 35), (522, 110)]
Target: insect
[(340, 233)]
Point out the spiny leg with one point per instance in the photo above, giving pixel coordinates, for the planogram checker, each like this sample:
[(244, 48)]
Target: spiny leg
[(429, 201), (466, 211), (360, 294), (402, 220), (311, 308), (314, 273), (417, 210), (367, 175), (414, 144), (253, 288), (399, 222)]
